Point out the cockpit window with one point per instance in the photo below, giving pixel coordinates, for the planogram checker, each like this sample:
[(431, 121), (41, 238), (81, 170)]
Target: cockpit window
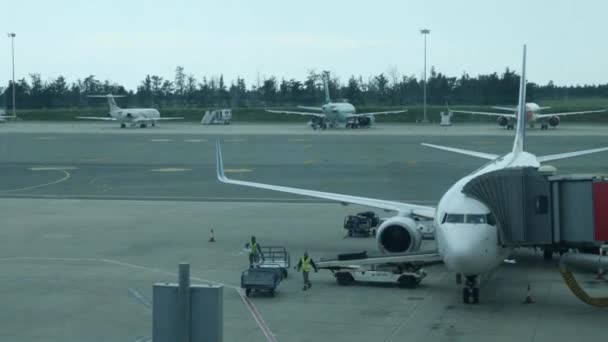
[(476, 218), (455, 218), (491, 219)]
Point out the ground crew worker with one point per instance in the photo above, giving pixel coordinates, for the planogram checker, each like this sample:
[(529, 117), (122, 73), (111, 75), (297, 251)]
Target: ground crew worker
[(254, 252), (306, 265)]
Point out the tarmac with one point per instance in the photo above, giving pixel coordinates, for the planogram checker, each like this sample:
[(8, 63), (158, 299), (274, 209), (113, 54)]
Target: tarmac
[(94, 215)]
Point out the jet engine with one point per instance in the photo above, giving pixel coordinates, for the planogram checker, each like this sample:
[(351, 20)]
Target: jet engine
[(365, 120), (554, 121), (502, 121), (398, 235)]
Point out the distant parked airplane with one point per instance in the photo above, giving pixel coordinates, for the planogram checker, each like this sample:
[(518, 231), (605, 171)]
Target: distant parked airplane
[(331, 114), (132, 116), (533, 115)]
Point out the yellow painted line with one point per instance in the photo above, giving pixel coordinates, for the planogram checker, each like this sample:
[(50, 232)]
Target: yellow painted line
[(195, 140), (235, 140), (307, 146), (170, 169), (52, 168), (411, 162), (310, 162), (161, 140), (237, 170)]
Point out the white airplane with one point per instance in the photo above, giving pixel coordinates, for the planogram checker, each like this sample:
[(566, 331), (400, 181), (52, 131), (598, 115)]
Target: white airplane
[(132, 116), (4, 117), (466, 230), (331, 114), (532, 115)]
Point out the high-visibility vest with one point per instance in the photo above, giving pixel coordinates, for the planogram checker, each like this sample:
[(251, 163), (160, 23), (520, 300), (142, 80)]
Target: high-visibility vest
[(254, 248), (306, 264)]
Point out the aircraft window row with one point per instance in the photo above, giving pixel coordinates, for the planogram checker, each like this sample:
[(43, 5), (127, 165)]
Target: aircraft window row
[(469, 218)]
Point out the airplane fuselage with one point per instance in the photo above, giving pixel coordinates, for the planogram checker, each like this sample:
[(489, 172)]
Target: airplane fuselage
[(131, 115), (337, 112), (466, 232)]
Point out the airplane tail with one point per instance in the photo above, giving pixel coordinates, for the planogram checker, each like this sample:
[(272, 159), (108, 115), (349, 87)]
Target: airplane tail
[(326, 86), (111, 103), (520, 133)]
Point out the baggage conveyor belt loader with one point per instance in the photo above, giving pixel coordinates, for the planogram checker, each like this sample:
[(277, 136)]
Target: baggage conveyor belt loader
[(404, 270)]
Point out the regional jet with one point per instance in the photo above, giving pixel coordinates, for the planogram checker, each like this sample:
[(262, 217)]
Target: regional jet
[(466, 230), (532, 115), (332, 114), (132, 116)]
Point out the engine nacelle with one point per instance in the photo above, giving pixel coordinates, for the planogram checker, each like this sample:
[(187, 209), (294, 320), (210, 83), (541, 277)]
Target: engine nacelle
[(398, 235), (502, 121), (365, 120), (554, 121)]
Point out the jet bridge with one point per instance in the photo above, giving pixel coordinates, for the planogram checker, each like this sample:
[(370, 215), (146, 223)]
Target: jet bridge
[(535, 209)]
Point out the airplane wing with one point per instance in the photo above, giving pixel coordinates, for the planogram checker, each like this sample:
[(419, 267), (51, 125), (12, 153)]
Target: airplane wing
[(311, 108), (484, 113), (510, 109), (319, 115), (376, 113), (540, 116), (157, 119), (418, 210), (570, 154), (102, 118), (482, 155)]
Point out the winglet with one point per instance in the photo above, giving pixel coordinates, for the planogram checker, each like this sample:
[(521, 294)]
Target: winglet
[(518, 144), (220, 164)]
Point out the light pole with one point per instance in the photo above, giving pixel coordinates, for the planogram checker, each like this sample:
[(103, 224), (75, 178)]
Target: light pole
[(12, 37), (424, 32)]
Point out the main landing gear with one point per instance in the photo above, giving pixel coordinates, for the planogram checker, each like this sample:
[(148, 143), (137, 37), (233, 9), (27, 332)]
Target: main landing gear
[(123, 125), (470, 292)]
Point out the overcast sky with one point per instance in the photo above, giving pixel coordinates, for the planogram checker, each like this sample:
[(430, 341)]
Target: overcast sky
[(124, 40)]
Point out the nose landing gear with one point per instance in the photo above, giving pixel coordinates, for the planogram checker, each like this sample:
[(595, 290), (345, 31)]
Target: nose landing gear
[(470, 292)]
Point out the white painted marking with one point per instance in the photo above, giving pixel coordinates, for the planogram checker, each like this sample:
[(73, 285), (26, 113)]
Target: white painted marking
[(170, 169), (235, 140), (161, 140), (66, 177), (195, 140), (53, 168), (46, 138)]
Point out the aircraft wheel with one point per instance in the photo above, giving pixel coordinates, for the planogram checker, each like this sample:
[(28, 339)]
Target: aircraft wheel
[(143, 125), (465, 295), (122, 125), (153, 123), (344, 279), (475, 293)]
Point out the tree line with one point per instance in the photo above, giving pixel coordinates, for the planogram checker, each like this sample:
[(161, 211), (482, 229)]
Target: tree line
[(384, 89)]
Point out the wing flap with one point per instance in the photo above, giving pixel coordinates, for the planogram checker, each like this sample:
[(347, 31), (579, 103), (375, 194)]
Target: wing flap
[(377, 113), (320, 115), (540, 116), (102, 118)]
